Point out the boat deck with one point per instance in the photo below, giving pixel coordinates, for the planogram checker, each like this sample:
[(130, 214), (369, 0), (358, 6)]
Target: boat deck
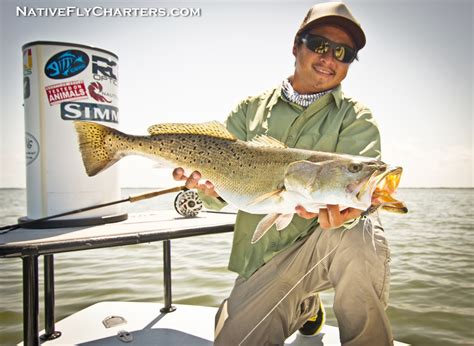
[(188, 325), (145, 325)]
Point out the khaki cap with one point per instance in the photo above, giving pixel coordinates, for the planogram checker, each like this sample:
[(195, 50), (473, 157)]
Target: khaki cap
[(334, 13)]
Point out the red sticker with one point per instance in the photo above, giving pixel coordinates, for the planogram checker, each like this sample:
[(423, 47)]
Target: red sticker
[(58, 93)]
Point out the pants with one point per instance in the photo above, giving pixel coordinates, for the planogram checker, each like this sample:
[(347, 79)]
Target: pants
[(344, 259)]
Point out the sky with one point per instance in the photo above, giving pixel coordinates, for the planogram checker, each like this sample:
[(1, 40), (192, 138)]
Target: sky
[(415, 74)]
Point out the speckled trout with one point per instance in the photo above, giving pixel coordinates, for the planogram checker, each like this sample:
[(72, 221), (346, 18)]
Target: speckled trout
[(261, 176)]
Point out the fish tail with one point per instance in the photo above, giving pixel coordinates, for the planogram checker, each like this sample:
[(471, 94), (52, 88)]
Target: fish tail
[(96, 155)]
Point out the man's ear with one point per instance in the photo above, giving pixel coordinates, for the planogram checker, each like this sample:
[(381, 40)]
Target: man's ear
[(295, 48)]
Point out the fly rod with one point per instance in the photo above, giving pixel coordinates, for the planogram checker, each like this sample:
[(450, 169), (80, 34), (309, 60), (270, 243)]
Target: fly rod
[(130, 199)]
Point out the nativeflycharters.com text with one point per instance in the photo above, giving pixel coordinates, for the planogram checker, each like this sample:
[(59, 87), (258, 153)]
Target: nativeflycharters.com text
[(100, 11)]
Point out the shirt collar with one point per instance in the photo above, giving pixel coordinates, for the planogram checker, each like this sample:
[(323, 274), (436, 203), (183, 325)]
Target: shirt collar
[(274, 99), (277, 94), (337, 94)]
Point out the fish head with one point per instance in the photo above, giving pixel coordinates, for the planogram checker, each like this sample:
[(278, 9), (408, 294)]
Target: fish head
[(351, 181), (381, 187)]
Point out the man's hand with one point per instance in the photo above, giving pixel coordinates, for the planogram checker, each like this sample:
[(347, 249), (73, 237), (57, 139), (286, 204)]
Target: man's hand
[(192, 182), (330, 217)]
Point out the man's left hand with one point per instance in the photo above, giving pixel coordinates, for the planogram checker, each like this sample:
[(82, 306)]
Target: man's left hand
[(330, 217)]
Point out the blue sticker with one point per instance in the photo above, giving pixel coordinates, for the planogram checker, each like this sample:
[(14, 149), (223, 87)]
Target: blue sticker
[(66, 64)]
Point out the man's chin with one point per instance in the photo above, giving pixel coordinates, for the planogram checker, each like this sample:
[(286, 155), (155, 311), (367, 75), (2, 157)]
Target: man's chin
[(323, 85)]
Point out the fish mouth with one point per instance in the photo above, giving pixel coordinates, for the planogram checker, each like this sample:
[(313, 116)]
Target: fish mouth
[(381, 186)]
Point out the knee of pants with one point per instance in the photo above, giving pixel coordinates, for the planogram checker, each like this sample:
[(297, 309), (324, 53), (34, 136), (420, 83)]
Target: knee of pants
[(362, 261), (367, 238)]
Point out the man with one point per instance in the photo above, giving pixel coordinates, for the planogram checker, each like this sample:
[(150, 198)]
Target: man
[(275, 293)]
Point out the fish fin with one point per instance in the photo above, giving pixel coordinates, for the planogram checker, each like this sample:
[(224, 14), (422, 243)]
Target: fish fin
[(95, 156), (267, 141), (211, 129), (266, 196), (264, 226), (303, 173), (283, 221)]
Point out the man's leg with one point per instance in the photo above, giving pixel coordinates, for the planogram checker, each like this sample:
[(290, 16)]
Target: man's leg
[(360, 275), (260, 310), (246, 317)]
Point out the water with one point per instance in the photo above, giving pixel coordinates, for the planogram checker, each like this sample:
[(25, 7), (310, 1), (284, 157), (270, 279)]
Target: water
[(432, 286)]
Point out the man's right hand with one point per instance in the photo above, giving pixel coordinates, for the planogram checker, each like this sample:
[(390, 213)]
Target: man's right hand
[(192, 182)]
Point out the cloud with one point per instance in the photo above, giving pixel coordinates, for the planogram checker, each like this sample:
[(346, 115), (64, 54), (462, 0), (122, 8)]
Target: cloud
[(432, 166)]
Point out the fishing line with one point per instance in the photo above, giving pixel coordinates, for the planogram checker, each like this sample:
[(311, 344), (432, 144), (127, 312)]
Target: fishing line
[(369, 224), (130, 199), (368, 227), (292, 288)]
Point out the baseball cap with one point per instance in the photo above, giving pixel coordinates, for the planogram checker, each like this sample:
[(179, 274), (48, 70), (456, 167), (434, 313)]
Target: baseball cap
[(335, 13)]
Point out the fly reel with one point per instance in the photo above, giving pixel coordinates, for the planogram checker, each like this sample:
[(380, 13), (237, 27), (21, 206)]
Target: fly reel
[(188, 203)]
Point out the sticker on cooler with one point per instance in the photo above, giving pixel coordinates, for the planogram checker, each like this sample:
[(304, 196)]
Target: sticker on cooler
[(89, 111), (26, 87), (97, 92), (66, 64), (32, 148), (27, 62), (58, 93), (104, 70)]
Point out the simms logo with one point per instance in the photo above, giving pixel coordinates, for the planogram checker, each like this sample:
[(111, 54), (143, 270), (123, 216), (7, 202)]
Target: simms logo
[(89, 111), (66, 64)]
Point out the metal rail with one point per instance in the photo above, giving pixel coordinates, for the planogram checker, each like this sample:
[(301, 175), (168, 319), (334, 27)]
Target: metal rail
[(49, 298), (31, 253), (30, 300), (167, 277)]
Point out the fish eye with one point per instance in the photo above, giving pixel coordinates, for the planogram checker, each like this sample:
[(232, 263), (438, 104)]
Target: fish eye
[(355, 167)]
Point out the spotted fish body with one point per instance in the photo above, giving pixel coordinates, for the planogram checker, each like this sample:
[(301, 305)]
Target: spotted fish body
[(259, 177)]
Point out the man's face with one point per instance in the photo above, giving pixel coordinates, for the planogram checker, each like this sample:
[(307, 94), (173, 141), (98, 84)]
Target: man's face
[(319, 72)]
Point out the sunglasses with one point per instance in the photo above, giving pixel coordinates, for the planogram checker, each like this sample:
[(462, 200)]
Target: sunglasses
[(321, 45)]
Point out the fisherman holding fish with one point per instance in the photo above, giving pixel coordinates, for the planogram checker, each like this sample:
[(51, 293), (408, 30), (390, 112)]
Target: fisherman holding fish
[(302, 164), (318, 250)]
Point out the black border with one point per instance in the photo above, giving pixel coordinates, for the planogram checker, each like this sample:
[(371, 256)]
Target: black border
[(76, 45)]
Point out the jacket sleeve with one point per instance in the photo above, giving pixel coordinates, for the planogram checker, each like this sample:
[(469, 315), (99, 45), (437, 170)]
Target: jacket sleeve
[(211, 203), (359, 134), (236, 124)]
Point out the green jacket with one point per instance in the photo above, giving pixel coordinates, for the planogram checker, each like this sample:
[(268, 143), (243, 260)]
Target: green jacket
[(334, 123)]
